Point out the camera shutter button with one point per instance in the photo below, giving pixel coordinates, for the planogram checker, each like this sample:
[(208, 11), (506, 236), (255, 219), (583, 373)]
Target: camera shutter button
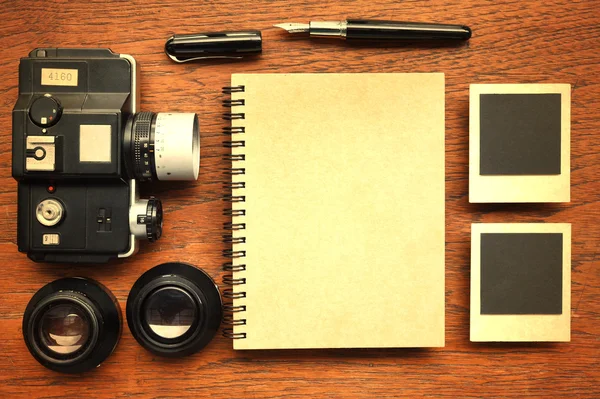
[(45, 111)]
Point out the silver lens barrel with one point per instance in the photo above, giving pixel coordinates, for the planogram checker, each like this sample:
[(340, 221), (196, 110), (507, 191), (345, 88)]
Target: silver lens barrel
[(176, 146), (163, 146)]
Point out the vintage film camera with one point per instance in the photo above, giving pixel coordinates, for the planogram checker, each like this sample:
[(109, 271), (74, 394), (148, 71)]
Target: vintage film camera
[(79, 148)]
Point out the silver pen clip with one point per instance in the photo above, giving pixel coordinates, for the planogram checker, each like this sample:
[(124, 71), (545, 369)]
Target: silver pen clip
[(216, 57)]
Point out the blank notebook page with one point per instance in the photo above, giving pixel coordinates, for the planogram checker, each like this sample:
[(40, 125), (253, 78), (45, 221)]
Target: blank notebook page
[(344, 210)]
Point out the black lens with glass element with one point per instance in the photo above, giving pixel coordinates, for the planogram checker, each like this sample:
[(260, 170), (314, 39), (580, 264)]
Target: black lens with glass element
[(174, 309), (72, 325), (64, 328)]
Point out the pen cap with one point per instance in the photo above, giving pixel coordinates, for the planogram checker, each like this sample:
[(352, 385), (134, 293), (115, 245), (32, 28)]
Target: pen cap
[(214, 45)]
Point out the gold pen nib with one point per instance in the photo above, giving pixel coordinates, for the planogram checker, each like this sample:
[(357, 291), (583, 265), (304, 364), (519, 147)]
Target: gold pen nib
[(294, 27)]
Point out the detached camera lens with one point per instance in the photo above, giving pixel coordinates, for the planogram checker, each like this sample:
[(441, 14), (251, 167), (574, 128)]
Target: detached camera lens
[(163, 146), (64, 328), (169, 312), (72, 325), (174, 310)]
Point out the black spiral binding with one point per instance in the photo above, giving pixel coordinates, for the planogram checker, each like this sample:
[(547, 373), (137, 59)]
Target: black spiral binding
[(229, 309)]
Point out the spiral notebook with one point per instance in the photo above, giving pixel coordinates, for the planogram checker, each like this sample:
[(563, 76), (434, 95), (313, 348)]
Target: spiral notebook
[(337, 206)]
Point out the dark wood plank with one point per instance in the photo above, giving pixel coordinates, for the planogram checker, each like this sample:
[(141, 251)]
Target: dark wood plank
[(514, 41)]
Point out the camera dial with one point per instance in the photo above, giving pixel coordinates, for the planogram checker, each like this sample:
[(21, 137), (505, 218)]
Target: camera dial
[(45, 111), (49, 212), (146, 219)]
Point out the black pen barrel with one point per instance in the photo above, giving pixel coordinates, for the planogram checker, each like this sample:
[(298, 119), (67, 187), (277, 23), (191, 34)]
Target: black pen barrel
[(358, 29)]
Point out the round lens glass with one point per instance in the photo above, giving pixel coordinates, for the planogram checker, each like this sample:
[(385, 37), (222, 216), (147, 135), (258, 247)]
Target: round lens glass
[(170, 312), (64, 328)]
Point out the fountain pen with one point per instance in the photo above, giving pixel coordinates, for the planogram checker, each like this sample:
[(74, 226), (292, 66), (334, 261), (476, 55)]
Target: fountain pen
[(385, 31)]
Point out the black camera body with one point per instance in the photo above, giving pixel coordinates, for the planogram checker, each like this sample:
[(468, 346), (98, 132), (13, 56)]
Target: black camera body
[(79, 148)]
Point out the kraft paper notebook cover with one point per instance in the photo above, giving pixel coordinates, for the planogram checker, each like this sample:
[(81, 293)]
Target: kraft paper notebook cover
[(337, 207)]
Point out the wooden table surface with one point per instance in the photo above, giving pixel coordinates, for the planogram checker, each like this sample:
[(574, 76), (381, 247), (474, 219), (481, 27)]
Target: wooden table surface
[(514, 41)]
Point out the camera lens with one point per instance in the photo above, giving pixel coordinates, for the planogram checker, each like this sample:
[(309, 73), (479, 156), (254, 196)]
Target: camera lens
[(64, 328), (169, 312), (174, 309), (162, 146), (72, 325)]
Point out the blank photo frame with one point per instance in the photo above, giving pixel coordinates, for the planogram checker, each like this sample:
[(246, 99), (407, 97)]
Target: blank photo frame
[(520, 282), (519, 143)]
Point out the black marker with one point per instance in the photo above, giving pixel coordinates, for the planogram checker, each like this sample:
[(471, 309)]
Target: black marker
[(380, 31)]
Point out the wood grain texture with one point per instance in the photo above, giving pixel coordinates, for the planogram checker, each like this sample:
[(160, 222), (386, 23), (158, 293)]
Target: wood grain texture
[(552, 41)]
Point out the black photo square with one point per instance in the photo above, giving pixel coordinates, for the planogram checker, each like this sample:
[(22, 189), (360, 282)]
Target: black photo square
[(520, 134), (521, 273)]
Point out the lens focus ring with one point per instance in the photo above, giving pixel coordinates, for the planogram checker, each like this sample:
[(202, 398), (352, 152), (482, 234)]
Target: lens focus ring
[(143, 146)]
